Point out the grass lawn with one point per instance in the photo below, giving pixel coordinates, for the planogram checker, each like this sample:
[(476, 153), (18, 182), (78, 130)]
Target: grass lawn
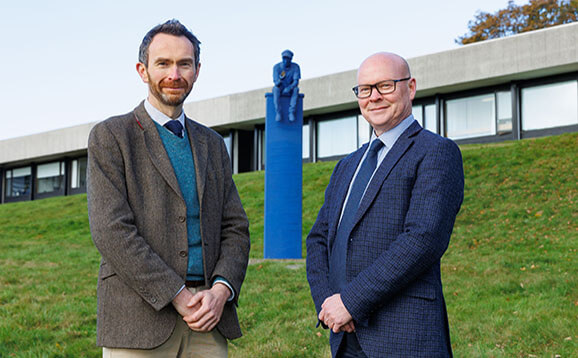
[(510, 274)]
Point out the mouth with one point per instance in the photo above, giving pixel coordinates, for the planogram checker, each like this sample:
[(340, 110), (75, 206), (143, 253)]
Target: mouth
[(377, 109), (173, 89)]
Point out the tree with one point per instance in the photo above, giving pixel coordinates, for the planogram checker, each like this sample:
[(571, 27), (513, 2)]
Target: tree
[(514, 19)]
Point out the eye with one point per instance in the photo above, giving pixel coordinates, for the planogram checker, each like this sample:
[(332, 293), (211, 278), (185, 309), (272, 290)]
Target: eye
[(364, 90), (385, 86)]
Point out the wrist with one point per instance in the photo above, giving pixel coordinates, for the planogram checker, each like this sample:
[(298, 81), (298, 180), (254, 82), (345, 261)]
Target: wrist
[(221, 290), (182, 298)]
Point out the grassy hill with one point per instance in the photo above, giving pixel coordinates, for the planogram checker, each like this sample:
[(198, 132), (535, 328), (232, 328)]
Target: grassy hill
[(510, 273)]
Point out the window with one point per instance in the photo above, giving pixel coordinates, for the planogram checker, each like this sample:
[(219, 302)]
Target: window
[(336, 137), (471, 116), (228, 139), (551, 105), (417, 113), (18, 183), (305, 152), (50, 178), (363, 131), (78, 173), (431, 122), (504, 120)]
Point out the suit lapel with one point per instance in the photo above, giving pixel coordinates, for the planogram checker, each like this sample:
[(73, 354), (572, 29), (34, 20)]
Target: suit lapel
[(156, 149), (200, 155), (399, 149)]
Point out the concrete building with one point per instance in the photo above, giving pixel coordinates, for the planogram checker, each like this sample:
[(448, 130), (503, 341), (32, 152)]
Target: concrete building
[(505, 89)]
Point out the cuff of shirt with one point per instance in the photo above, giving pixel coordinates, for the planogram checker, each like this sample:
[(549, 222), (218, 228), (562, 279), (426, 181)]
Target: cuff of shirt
[(179, 291), (226, 283)]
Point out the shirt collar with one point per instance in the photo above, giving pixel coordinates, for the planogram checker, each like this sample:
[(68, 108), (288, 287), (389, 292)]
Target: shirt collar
[(159, 116), (391, 136)]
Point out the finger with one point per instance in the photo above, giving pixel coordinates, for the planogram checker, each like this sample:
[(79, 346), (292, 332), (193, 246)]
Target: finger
[(202, 321), (200, 313), (196, 299), (209, 325)]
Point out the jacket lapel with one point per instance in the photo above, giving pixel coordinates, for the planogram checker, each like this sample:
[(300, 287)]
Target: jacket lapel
[(399, 149), (156, 149), (200, 155)]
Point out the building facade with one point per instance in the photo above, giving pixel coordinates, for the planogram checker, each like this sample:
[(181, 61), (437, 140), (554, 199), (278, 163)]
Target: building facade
[(513, 88)]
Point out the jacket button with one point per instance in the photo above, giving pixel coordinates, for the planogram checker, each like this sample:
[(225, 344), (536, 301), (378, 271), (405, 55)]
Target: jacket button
[(182, 219), (153, 300), (183, 253)]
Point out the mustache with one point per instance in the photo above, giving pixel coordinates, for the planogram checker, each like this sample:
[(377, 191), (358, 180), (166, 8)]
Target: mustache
[(180, 83)]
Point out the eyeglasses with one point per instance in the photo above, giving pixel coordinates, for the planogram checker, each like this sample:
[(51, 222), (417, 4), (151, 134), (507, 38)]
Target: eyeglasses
[(383, 87)]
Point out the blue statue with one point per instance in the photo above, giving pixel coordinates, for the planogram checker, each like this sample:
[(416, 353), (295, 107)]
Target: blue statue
[(286, 77)]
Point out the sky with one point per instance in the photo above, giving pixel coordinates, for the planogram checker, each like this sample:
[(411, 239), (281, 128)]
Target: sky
[(65, 63)]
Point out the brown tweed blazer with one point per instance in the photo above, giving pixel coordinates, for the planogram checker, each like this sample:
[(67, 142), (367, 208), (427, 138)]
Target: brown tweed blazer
[(138, 223)]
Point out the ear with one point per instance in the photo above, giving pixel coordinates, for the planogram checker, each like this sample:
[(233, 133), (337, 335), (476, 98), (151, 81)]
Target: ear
[(142, 72), (412, 87)]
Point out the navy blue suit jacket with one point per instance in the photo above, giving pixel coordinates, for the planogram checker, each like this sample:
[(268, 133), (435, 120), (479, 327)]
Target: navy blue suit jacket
[(402, 229)]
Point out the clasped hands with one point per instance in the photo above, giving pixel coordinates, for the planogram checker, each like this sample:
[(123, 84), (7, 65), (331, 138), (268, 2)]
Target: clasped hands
[(202, 311), (335, 315)]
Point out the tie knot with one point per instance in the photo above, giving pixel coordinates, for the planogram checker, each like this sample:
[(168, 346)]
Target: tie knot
[(376, 145), (176, 127)]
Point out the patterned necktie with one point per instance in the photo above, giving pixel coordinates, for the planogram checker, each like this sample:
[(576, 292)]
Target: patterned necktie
[(176, 127), (338, 257)]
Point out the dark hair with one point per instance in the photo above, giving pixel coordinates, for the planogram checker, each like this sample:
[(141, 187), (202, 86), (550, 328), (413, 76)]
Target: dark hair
[(171, 27)]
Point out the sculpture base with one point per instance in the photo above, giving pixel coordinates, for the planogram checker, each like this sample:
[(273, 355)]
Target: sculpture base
[(283, 181)]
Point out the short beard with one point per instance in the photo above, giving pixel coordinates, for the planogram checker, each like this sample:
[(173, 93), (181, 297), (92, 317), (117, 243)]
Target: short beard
[(166, 99)]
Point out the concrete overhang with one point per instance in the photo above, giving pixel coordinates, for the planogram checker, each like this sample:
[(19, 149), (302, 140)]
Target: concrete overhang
[(524, 56), (45, 146)]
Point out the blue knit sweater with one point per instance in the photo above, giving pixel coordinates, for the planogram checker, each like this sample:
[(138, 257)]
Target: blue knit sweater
[(181, 156)]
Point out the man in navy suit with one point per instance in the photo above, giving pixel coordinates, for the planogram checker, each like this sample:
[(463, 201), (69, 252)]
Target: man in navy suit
[(373, 255)]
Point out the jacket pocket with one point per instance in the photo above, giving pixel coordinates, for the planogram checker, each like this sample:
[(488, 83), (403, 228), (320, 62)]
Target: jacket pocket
[(421, 289), (105, 271)]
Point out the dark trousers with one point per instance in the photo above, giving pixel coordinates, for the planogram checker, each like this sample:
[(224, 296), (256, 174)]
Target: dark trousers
[(349, 347)]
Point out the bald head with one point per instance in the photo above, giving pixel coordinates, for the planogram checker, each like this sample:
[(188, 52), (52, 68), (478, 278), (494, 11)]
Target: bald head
[(395, 63)]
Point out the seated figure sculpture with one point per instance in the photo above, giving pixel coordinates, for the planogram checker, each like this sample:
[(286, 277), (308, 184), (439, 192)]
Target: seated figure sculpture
[(286, 75)]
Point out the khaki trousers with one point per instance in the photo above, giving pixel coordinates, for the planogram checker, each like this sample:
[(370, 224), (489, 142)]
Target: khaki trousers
[(183, 343)]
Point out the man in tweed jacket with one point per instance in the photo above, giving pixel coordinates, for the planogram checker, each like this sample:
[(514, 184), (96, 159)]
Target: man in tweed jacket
[(166, 217), (389, 300)]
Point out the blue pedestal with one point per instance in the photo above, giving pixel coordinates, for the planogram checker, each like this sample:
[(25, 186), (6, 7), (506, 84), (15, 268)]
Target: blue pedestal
[(283, 181)]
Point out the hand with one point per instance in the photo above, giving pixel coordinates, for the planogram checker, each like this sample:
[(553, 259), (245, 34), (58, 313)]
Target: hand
[(335, 315), (287, 90), (180, 302), (208, 307)]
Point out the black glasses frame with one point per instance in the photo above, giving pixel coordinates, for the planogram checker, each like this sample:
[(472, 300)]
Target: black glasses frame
[(356, 88)]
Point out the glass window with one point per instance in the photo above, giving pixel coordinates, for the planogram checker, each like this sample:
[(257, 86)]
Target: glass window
[(18, 182), (264, 148), (49, 177), (228, 143), (363, 131), (431, 122), (78, 174), (504, 119), (551, 105), (334, 137), (305, 151), (417, 113), (471, 117)]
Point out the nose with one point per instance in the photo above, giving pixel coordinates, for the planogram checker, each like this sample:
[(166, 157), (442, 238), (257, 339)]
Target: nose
[(174, 73), (375, 95)]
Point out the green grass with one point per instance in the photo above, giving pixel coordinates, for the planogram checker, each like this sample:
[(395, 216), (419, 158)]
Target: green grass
[(510, 274)]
